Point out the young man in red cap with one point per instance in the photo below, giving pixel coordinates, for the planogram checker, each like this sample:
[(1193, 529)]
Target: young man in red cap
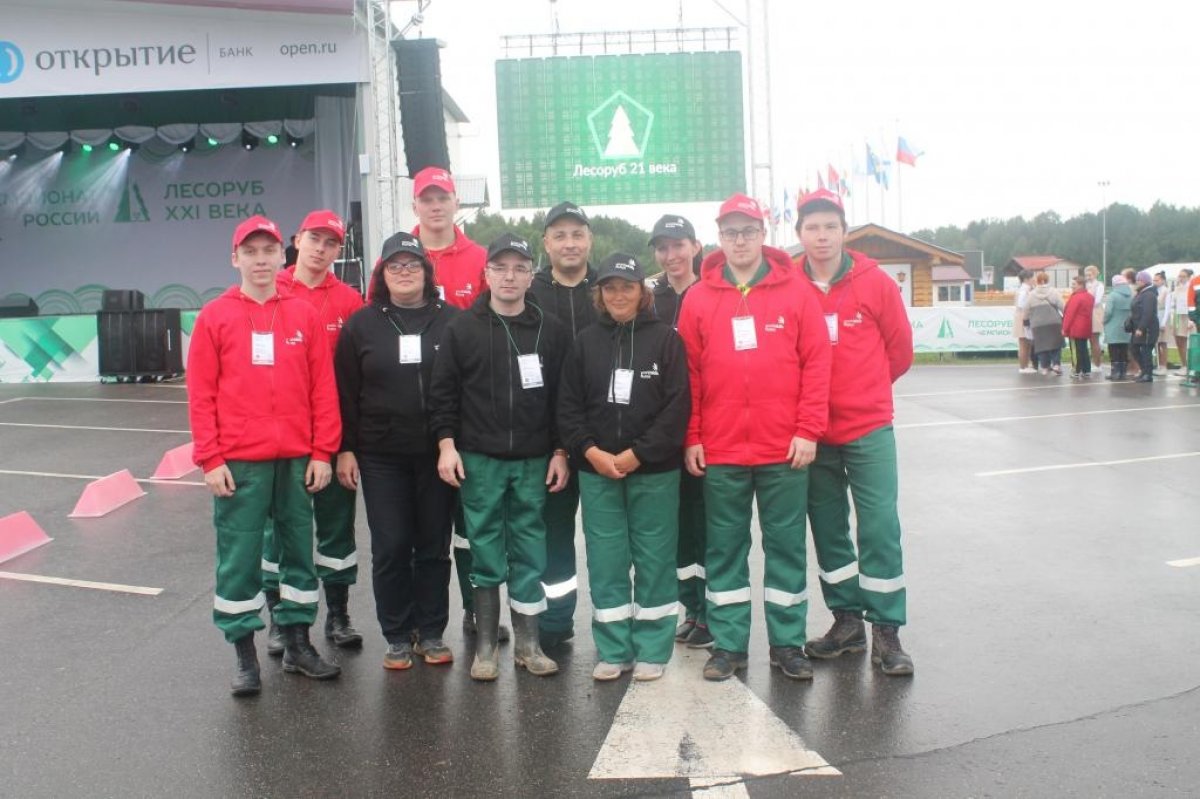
[(458, 266), (311, 280), (758, 358), (872, 348), (264, 416)]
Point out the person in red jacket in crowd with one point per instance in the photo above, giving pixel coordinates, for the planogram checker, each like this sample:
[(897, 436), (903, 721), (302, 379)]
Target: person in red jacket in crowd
[(318, 244), (758, 361), (872, 347), (263, 408), (1077, 326), (458, 265)]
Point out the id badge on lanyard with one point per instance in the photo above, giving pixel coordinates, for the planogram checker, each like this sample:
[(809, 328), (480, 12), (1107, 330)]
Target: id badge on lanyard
[(744, 337), (531, 370), (410, 349), (831, 322), (262, 349), (621, 387)]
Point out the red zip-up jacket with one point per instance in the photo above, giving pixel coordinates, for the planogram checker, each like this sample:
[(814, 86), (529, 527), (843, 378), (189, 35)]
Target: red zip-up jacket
[(1077, 316), (333, 301), (242, 411), (458, 269), (874, 347), (747, 405)]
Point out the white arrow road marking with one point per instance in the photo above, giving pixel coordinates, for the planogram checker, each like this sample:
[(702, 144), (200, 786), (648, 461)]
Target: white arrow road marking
[(684, 726), (1183, 564)]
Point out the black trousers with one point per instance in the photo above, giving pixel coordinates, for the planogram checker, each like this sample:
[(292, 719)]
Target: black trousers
[(1118, 353), (1083, 356), (1144, 354), (409, 512)]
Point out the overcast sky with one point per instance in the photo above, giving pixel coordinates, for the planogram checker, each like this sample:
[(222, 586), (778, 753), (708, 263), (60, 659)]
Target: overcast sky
[(1020, 107)]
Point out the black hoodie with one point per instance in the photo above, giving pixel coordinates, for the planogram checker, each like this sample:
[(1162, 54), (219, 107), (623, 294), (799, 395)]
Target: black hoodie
[(666, 302), (654, 422), (384, 402), (476, 397), (572, 305)]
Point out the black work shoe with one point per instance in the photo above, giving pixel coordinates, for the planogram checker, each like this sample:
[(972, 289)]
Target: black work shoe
[(886, 651), (700, 638), (848, 634), (723, 664), (274, 636), (337, 617), (247, 681), (684, 630), (548, 639), (792, 662), (300, 657)]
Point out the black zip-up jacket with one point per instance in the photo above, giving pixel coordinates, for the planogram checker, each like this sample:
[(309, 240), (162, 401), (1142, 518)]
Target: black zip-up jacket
[(666, 302), (655, 421), (572, 305), (1144, 315), (476, 397), (385, 403)]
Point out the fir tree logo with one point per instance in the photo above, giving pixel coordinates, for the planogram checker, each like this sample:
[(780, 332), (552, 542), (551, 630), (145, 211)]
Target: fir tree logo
[(620, 127), (945, 331), (132, 207)]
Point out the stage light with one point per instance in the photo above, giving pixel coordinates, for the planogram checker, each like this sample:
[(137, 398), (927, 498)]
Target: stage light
[(294, 142), (272, 140), (132, 146), (249, 141), (114, 146), (87, 148), (188, 145), (213, 142)]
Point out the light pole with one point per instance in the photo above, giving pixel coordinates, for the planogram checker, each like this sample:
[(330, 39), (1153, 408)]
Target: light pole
[(1103, 184)]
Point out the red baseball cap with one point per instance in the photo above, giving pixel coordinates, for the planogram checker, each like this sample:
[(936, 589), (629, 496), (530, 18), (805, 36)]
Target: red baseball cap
[(325, 220), (741, 204), (821, 196), (432, 176), (256, 224)]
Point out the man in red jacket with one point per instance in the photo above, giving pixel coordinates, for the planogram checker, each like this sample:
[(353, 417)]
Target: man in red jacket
[(758, 359), (263, 408), (458, 265), (872, 348), (318, 244)]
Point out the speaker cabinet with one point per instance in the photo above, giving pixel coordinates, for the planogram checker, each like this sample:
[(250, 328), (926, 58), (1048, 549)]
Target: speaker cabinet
[(122, 300), (422, 117), (140, 343), (12, 307)]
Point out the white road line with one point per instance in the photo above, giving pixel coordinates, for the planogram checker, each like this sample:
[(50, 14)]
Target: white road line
[(83, 427), (717, 788), (1087, 465), (14, 399), (99, 399), (999, 419), (1183, 564), (97, 477), (117, 587), (1056, 387)]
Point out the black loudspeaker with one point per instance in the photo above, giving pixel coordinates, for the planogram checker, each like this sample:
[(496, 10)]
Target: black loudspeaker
[(140, 343), (422, 117), (11, 307), (122, 300)]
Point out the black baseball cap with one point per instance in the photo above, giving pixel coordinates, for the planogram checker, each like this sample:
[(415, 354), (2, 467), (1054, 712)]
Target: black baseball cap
[(506, 242), (566, 210), (403, 242), (672, 227), (621, 265)]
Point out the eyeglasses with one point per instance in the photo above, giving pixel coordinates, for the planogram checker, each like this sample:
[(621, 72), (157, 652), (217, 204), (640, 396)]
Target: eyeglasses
[(396, 267), (746, 233), (519, 271)]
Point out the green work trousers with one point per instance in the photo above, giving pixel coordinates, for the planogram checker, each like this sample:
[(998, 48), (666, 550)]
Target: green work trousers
[(502, 505), (872, 579), (264, 488), (462, 556), (560, 581), (337, 557), (689, 562), (780, 493), (632, 522)]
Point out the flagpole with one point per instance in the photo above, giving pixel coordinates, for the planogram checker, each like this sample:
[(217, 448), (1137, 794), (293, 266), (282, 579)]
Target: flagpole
[(899, 184)]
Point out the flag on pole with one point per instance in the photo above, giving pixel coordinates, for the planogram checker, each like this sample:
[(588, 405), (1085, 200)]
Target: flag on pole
[(787, 207), (872, 164), (820, 180), (905, 153), (834, 180), (844, 188)]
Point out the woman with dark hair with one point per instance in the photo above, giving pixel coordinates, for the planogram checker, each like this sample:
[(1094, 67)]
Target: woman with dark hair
[(623, 408), (383, 363)]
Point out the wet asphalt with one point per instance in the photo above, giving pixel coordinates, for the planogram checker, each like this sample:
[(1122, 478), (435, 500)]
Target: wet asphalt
[(1057, 653)]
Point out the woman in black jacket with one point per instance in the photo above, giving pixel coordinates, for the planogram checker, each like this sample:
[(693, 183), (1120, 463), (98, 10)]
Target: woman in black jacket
[(622, 411), (383, 362), (1143, 320)]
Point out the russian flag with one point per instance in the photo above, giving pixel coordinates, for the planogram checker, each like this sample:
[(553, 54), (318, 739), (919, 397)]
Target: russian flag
[(906, 154)]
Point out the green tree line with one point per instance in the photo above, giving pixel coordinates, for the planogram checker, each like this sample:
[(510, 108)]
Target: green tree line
[(1136, 238), (609, 235)]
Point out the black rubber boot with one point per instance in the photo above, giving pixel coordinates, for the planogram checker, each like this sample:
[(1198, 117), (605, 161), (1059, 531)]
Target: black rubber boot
[(527, 650), (299, 656), (886, 651), (337, 617), (247, 681), (486, 666), (502, 633), (848, 634), (274, 636)]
